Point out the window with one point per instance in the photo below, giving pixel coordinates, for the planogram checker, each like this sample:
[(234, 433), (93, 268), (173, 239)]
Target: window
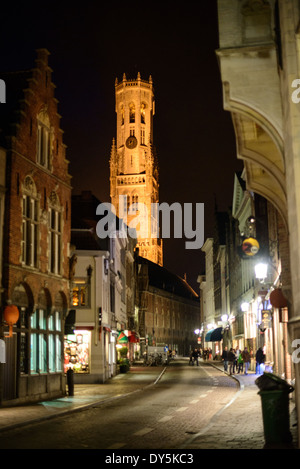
[(43, 146), (45, 336), (44, 139), (30, 225), (131, 113), (55, 235), (143, 136), (143, 113), (80, 294)]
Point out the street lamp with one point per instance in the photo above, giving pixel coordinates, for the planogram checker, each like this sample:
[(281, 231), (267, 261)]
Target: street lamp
[(261, 271)]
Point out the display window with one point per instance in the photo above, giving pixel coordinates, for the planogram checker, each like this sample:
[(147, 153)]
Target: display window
[(77, 352)]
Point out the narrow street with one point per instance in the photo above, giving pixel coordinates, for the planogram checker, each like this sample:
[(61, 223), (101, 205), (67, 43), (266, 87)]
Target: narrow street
[(164, 416)]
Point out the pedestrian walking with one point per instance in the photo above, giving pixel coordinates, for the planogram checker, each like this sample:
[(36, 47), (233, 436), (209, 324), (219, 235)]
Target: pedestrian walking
[(225, 358), (246, 358), (231, 358), (236, 356), (195, 356), (260, 359), (240, 363)]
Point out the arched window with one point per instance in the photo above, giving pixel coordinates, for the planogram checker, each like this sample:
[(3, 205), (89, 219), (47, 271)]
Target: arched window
[(30, 223), (55, 234), (143, 113), (122, 113), (131, 113), (44, 139)]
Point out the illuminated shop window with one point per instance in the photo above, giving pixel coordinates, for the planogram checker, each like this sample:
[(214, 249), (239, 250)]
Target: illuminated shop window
[(77, 352)]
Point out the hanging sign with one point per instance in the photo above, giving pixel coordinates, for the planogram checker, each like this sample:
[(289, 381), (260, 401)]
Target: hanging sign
[(250, 247)]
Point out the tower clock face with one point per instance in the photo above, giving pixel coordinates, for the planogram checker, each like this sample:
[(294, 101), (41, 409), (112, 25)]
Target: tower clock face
[(131, 142)]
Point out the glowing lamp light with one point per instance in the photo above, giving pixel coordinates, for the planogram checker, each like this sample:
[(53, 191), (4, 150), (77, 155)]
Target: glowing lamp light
[(261, 271), (244, 307), (11, 316), (197, 331)]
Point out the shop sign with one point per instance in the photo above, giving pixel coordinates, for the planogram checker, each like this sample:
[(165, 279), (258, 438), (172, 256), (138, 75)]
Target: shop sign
[(266, 319)]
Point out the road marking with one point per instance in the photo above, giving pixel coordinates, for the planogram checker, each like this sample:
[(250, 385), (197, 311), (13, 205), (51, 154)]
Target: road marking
[(144, 431), (203, 395), (116, 446), (166, 418), (210, 390), (194, 401), (181, 409)]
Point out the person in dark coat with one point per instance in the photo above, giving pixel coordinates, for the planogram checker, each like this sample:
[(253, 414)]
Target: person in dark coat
[(260, 358), (225, 358), (231, 358)]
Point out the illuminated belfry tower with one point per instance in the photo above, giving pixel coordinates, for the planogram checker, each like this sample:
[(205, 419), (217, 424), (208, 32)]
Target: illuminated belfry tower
[(133, 163)]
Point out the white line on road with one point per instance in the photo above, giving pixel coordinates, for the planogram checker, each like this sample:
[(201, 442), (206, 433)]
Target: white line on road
[(166, 418), (116, 446), (144, 431), (194, 401), (181, 409)]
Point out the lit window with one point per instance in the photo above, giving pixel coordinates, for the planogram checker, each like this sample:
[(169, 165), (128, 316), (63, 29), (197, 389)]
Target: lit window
[(80, 295)]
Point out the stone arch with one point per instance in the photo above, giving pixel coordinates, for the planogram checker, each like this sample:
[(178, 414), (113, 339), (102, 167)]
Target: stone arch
[(260, 146), (22, 296), (61, 303), (44, 300)]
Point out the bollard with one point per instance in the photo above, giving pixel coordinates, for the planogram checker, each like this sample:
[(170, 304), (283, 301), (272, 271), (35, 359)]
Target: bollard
[(70, 381)]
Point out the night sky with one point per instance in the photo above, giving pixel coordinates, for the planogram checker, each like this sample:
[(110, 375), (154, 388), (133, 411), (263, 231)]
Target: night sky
[(93, 43)]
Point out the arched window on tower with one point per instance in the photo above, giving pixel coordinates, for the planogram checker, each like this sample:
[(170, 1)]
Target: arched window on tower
[(131, 113), (143, 113), (122, 112)]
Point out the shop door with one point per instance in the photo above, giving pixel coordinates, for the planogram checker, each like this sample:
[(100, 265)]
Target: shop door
[(10, 369)]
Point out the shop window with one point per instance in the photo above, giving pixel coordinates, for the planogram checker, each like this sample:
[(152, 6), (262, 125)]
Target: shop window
[(77, 352)]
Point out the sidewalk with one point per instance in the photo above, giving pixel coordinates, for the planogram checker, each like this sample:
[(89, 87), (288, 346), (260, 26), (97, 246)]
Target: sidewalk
[(238, 425), (85, 395)]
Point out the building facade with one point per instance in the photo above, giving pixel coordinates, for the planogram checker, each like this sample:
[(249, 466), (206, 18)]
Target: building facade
[(102, 295), (36, 236), (168, 308), (259, 66), (134, 184)]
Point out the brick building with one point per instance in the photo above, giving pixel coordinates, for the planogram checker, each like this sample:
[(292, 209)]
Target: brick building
[(169, 310), (36, 235)]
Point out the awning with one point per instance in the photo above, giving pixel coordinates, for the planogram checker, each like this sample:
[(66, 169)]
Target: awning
[(122, 338), (133, 338), (215, 335)]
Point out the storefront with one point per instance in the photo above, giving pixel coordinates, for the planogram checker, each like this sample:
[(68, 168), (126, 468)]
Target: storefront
[(77, 351)]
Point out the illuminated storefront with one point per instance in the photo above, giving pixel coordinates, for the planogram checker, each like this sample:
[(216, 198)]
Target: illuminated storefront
[(77, 351)]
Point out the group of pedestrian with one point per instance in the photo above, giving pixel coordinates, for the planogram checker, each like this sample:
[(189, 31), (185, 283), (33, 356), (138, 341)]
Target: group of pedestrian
[(236, 361), (205, 354)]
